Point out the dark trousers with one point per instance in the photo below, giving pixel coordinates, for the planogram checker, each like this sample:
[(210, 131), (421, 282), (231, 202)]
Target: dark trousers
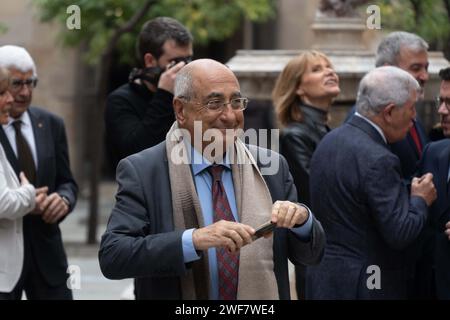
[(300, 279), (33, 283)]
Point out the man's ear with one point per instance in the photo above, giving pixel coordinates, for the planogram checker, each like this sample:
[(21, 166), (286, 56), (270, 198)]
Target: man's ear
[(179, 109), (150, 60), (387, 113)]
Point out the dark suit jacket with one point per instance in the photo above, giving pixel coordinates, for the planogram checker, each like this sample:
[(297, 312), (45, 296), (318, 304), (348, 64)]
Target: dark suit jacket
[(53, 171), (366, 212), (406, 149), (436, 159), (140, 241)]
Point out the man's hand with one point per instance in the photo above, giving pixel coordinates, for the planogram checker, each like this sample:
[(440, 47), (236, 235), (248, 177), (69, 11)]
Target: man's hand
[(227, 234), (54, 208), (447, 229), (287, 214), (167, 79), (424, 188), (41, 195)]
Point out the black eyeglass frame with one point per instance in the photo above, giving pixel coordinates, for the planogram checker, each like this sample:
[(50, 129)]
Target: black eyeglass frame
[(16, 85)]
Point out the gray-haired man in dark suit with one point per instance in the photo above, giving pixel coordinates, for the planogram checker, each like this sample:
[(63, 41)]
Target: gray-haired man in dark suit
[(367, 213)]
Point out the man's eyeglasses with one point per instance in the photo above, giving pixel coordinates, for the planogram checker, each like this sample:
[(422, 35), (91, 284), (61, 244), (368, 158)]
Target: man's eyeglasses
[(186, 60), (440, 101), (15, 85), (237, 104)]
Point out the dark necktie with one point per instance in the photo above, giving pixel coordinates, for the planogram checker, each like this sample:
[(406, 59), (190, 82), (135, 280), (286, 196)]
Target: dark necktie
[(227, 263), (24, 154), (415, 137)]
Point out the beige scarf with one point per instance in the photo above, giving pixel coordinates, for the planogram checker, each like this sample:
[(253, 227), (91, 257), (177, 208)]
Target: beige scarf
[(256, 269)]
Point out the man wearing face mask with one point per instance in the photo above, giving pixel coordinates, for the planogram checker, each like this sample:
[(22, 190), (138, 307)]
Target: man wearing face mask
[(139, 114)]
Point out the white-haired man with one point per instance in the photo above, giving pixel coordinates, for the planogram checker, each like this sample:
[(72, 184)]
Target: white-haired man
[(35, 142), (409, 52), (367, 213)]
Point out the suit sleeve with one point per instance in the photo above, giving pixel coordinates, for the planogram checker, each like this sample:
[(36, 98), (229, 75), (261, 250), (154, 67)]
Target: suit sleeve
[(128, 132), (398, 217), (65, 183), (15, 203), (128, 249), (300, 251)]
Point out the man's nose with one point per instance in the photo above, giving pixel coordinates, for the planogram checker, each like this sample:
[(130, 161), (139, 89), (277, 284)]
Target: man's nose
[(25, 90), (442, 110), (424, 75), (227, 112)]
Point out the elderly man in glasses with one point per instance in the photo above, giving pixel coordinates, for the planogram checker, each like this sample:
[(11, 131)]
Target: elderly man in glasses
[(188, 209), (436, 159), (35, 143)]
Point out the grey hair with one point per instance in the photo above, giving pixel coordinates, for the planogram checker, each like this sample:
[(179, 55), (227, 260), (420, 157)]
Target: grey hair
[(383, 86), (389, 48), (184, 87), (17, 58)]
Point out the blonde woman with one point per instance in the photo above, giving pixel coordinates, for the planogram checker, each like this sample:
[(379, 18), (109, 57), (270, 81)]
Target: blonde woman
[(302, 96)]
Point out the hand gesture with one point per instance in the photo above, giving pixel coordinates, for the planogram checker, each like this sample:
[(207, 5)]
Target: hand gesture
[(424, 188), (54, 208), (167, 79), (227, 234)]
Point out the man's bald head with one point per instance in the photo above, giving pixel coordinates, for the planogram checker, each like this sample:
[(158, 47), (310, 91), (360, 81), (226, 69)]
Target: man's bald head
[(207, 92), (187, 76)]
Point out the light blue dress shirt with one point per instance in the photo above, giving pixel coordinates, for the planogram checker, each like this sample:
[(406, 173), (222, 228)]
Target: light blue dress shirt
[(203, 184)]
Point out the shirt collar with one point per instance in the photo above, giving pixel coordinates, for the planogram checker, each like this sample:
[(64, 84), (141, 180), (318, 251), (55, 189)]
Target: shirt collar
[(25, 118), (200, 163), (373, 124)]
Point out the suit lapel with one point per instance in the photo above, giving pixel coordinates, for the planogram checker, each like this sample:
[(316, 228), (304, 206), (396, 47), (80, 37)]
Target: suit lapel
[(421, 133), (442, 174), (412, 144), (39, 128), (422, 138), (9, 151)]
